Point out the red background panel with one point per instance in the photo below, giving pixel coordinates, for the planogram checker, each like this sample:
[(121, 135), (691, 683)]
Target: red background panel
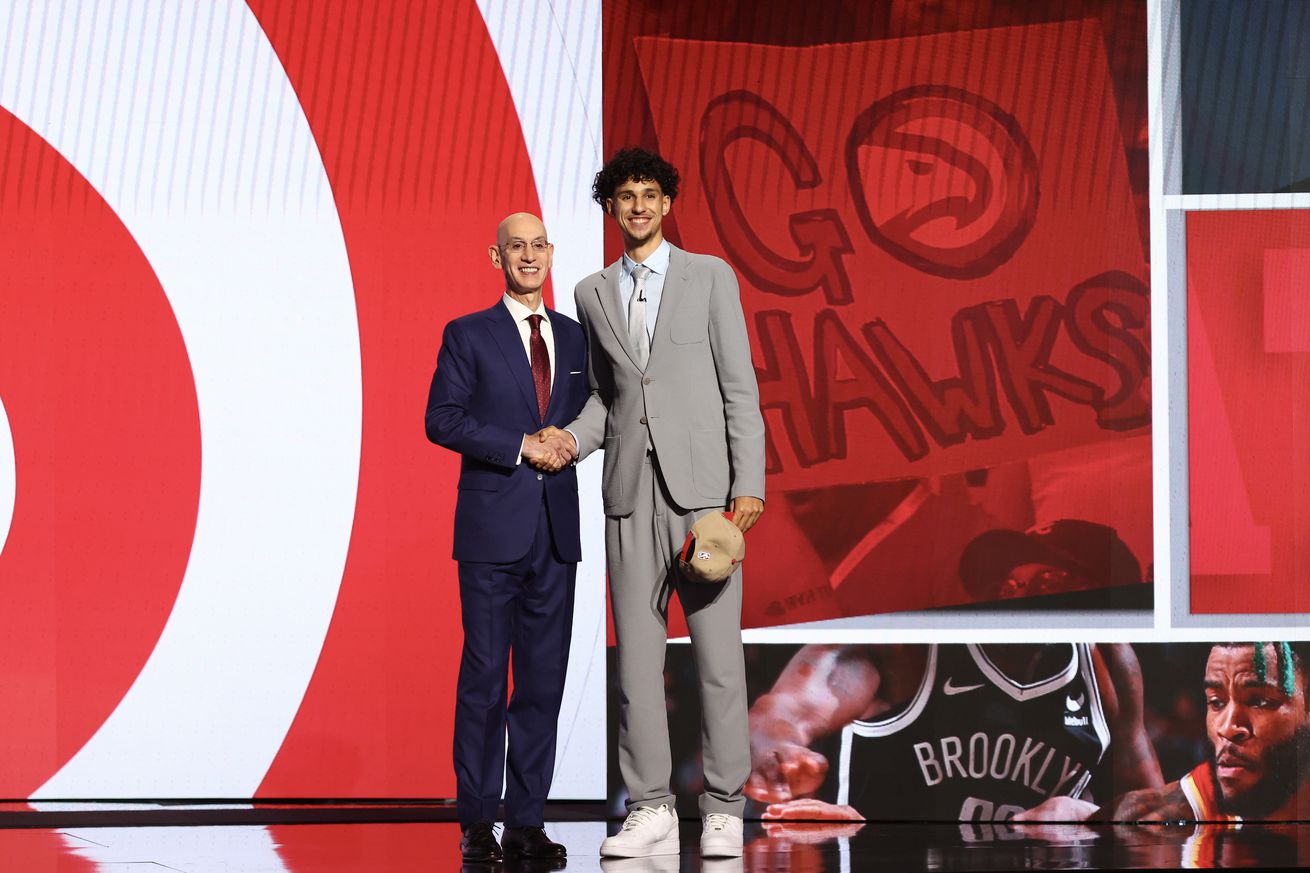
[(1248, 408)]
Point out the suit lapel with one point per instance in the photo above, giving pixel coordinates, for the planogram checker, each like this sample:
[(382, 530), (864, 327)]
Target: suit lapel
[(612, 305), (506, 334), (675, 288)]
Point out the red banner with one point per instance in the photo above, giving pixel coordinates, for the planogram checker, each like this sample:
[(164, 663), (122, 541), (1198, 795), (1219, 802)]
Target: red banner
[(939, 257)]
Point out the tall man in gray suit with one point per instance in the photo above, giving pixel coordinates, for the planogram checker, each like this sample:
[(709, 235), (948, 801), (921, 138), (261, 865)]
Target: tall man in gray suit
[(675, 405)]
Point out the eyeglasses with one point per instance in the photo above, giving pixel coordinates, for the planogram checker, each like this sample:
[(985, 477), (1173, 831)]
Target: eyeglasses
[(518, 246)]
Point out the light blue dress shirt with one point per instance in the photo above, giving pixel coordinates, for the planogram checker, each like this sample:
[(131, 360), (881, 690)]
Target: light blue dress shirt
[(658, 262)]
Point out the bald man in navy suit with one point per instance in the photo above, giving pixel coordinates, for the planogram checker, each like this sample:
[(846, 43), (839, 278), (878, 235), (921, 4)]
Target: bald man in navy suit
[(502, 375)]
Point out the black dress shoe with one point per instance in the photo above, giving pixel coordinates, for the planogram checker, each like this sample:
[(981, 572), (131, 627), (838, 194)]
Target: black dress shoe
[(530, 842), (479, 843)]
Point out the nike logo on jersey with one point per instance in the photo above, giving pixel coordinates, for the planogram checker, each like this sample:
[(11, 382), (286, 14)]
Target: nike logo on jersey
[(950, 688)]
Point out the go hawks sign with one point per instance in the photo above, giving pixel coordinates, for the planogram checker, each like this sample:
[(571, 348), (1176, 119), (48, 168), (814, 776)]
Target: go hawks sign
[(941, 269)]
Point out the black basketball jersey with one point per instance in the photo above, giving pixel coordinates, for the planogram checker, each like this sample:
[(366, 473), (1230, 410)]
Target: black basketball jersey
[(973, 745)]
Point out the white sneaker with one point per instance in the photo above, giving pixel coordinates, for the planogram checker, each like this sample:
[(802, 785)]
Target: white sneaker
[(721, 836), (648, 830)]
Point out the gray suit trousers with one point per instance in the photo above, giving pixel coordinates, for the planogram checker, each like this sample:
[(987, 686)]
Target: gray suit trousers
[(641, 551)]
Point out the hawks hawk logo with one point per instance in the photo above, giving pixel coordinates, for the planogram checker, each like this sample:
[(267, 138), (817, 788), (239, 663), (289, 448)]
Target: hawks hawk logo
[(943, 179)]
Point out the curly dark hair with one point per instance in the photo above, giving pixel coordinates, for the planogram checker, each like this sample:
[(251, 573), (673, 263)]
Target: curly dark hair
[(636, 164)]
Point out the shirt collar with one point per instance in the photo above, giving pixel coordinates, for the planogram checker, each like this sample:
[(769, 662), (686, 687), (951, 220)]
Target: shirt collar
[(658, 262), (521, 312)]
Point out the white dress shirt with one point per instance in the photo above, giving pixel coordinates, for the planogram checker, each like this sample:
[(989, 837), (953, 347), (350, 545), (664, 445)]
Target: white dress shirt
[(658, 263), (520, 314)]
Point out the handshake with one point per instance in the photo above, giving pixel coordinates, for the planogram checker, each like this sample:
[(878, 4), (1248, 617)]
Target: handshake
[(549, 449)]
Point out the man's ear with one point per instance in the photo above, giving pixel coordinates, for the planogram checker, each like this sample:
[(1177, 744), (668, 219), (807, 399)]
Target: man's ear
[(494, 252)]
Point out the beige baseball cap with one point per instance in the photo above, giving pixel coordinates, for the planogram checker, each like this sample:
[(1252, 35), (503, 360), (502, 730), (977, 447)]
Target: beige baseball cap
[(713, 549)]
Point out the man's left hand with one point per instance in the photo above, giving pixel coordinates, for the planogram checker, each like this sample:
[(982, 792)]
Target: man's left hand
[(746, 511)]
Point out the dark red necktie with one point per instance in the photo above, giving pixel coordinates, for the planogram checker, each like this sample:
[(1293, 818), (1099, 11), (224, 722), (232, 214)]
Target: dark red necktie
[(540, 365)]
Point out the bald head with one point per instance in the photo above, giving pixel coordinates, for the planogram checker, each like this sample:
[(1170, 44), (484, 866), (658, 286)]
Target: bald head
[(523, 253), (523, 225)]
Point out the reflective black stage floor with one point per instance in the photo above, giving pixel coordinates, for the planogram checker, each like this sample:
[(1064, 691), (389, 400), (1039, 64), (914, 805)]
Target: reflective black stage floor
[(394, 846)]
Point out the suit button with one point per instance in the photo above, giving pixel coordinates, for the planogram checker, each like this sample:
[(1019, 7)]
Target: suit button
[(647, 380), (539, 477), (643, 419)]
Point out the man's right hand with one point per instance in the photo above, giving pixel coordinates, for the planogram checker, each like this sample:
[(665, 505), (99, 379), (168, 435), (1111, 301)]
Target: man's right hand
[(549, 449), (784, 770)]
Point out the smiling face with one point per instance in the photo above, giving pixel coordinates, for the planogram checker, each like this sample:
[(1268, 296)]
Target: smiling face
[(523, 254), (1260, 734), (639, 206)]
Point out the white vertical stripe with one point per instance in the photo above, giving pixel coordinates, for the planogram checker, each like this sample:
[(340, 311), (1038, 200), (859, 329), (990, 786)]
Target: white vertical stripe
[(550, 54), (844, 765), (154, 105), (8, 477), (1168, 350), (1095, 701)]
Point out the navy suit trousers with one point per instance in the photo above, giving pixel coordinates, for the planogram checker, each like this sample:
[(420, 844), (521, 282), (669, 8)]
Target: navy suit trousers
[(525, 607)]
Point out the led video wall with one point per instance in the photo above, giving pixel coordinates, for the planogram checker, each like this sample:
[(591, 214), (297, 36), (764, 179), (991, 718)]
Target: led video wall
[(1022, 285)]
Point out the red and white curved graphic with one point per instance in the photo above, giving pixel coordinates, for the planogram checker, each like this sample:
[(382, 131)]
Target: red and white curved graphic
[(101, 403), (260, 289), (232, 236)]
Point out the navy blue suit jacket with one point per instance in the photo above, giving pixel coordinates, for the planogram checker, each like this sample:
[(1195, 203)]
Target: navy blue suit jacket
[(481, 404)]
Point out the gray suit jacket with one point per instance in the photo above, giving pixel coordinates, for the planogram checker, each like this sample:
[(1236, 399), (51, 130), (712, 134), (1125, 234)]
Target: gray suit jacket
[(698, 396)]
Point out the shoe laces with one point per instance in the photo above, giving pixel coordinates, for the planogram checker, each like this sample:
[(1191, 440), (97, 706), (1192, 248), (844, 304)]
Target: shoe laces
[(640, 816), (717, 821)]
